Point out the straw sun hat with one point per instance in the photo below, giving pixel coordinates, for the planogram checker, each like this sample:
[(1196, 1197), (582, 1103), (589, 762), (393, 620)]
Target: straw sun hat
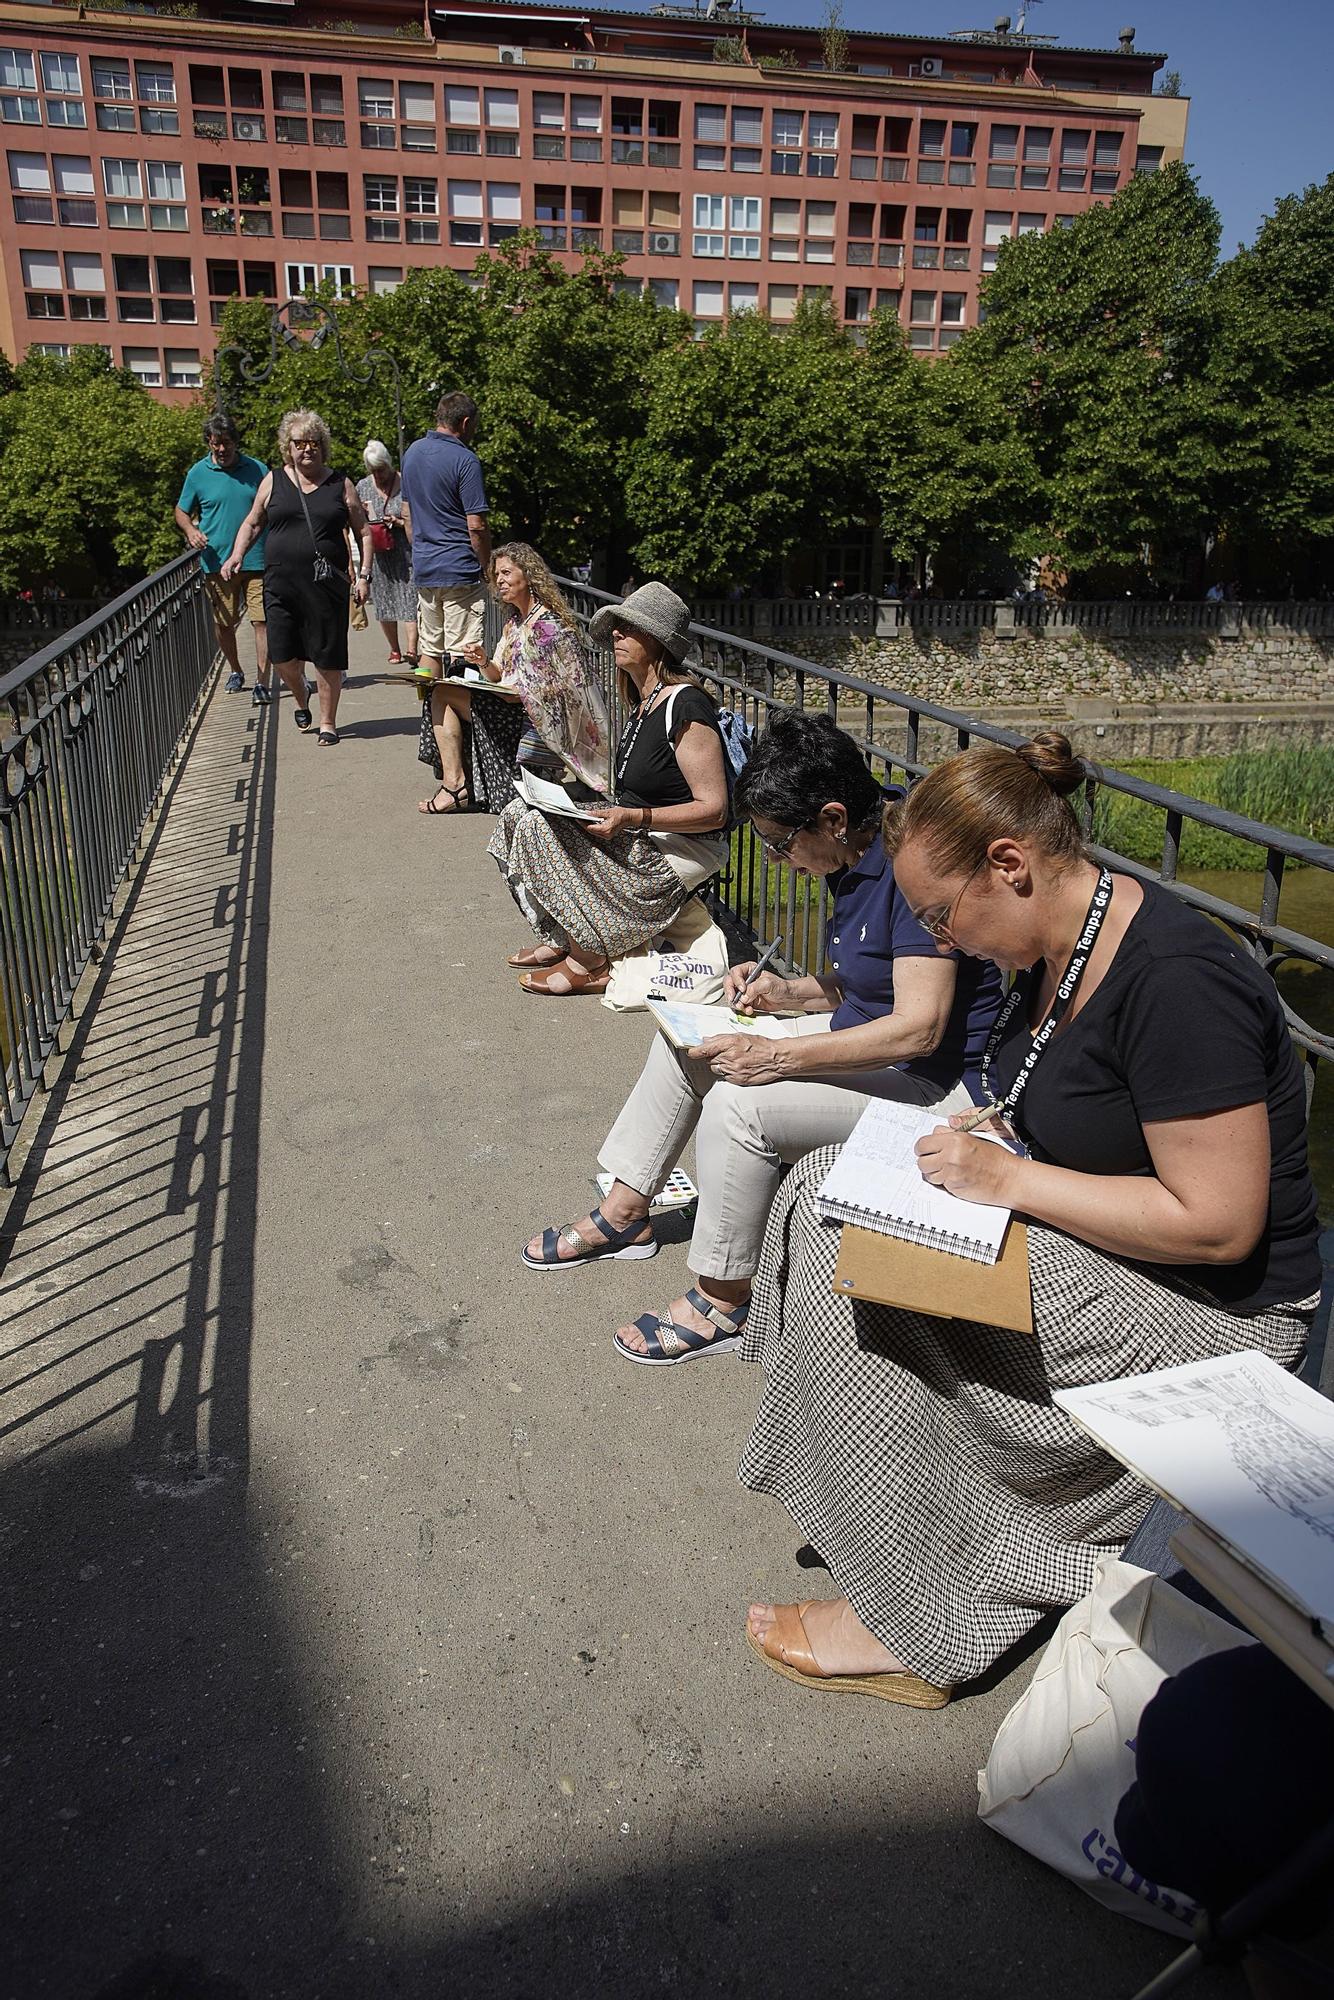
[(656, 612)]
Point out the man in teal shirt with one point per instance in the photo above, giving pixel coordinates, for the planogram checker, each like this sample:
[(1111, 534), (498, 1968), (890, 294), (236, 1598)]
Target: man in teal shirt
[(218, 493)]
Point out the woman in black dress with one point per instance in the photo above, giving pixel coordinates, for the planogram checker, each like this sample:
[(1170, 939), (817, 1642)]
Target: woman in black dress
[(307, 511)]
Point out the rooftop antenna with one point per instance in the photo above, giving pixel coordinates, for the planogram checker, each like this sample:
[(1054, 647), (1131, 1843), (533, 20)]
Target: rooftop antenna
[(1022, 22)]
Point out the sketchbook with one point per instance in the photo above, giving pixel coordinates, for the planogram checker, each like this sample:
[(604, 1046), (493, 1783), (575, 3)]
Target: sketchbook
[(549, 798), (1241, 1446), (876, 1183), (686, 1024)]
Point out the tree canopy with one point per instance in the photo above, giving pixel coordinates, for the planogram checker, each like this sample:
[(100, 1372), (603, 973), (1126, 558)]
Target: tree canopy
[(1128, 401)]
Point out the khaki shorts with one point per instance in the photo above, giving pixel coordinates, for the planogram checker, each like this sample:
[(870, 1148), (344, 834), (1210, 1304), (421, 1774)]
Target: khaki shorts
[(450, 618), (238, 597)]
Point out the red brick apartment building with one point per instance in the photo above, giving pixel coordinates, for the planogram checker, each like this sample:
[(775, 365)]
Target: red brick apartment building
[(157, 165)]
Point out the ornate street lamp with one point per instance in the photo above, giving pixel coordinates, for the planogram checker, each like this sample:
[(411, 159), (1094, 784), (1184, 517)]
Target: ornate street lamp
[(283, 322)]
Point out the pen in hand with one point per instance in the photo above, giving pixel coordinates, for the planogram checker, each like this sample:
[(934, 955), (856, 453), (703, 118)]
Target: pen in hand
[(769, 952), (970, 1120)]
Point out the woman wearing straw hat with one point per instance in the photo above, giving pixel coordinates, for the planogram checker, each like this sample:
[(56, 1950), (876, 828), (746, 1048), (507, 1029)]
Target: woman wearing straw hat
[(595, 890)]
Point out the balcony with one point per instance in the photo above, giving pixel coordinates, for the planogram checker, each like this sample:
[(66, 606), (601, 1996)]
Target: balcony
[(630, 242), (584, 237), (219, 221), (291, 131), (956, 257), (211, 125), (628, 152), (890, 256), (859, 253), (256, 222), (925, 257), (663, 153), (552, 235), (328, 132)]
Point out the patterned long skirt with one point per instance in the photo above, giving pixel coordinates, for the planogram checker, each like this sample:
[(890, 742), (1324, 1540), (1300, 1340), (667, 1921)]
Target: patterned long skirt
[(951, 1500), (497, 726), (604, 897)]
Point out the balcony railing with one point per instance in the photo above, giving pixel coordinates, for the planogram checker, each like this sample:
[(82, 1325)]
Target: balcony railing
[(761, 899), (89, 729)]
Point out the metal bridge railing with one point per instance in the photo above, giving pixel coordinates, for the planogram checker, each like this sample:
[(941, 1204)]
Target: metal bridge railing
[(89, 728), (763, 900)]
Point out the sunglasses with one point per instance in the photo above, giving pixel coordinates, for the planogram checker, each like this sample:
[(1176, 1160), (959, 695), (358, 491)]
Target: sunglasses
[(782, 847)]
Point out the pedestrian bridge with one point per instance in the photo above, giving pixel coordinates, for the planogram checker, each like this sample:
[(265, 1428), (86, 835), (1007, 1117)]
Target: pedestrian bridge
[(371, 1628)]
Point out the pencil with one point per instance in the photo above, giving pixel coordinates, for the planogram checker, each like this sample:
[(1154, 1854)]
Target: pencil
[(972, 1119)]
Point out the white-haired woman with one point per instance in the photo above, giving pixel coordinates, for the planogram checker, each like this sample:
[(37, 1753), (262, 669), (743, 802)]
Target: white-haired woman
[(393, 593), (307, 511)]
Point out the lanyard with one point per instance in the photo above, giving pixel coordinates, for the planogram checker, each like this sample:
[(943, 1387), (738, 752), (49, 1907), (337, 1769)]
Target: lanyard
[(1065, 993)]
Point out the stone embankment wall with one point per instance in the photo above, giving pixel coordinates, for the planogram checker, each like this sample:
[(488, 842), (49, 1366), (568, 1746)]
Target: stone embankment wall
[(1140, 696)]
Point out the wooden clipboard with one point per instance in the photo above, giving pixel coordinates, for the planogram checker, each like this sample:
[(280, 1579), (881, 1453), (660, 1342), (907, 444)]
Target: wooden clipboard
[(891, 1273)]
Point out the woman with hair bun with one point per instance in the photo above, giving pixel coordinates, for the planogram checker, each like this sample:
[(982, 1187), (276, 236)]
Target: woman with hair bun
[(1143, 1060), (891, 1018)]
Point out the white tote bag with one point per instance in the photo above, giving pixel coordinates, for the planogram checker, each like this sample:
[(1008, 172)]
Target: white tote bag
[(1065, 1754), (688, 962)]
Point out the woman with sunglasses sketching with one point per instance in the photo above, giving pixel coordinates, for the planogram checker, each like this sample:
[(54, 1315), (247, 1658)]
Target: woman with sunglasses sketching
[(891, 1018)]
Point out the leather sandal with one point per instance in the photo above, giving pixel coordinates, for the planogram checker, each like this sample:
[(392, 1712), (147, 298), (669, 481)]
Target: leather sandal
[(596, 981), (615, 1243), (787, 1650), (436, 810), (537, 954), (667, 1343)]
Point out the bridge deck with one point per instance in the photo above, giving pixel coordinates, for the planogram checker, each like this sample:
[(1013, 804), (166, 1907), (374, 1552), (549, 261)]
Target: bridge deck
[(428, 1677)]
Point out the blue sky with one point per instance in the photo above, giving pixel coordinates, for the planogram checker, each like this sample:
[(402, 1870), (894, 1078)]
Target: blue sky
[(1259, 74)]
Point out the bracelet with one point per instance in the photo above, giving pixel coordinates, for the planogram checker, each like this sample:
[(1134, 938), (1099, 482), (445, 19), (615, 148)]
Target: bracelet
[(647, 820)]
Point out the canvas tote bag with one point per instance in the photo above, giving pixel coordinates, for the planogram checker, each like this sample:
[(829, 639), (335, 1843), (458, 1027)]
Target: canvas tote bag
[(1065, 1754)]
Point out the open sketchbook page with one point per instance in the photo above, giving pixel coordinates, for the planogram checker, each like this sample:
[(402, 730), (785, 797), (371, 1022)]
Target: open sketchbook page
[(686, 1024), (1242, 1446), (876, 1179), (549, 798)]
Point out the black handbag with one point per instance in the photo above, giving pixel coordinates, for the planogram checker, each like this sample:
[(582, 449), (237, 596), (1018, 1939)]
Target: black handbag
[(324, 569)]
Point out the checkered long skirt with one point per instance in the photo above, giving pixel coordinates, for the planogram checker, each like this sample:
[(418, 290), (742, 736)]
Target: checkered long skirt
[(604, 897), (952, 1502)]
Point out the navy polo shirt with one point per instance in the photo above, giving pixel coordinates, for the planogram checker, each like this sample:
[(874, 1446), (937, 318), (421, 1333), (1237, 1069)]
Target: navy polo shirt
[(442, 484), (870, 927)]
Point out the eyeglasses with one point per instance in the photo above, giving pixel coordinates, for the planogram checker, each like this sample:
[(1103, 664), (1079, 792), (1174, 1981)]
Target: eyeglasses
[(782, 848), (938, 925), (308, 444)]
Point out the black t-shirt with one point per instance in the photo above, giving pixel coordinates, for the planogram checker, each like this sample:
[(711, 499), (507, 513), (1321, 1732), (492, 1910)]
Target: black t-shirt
[(1183, 1023), (650, 775)]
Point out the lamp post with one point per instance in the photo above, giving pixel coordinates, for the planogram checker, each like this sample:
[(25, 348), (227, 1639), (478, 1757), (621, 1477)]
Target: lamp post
[(376, 360)]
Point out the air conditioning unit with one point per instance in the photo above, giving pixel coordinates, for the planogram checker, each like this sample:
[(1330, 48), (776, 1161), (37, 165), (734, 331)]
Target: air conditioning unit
[(583, 62), (247, 128), (664, 242), (930, 66), (510, 54)]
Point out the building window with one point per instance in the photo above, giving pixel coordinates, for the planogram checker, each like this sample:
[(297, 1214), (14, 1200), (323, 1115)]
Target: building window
[(44, 296), (381, 194), (1148, 159), (664, 292), (67, 111), (857, 305), (156, 83), (708, 298), (465, 213), (382, 279), (30, 179), (145, 364), (783, 301), (931, 139), (952, 305), (784, 231), (20, 110), (820, 232), (743, 216), (743, 298), (375, 98), (183, 368), (997, 226), (111, 78), (75, 207), (60, 75), (710, 216), (421, 205), (923, 309)]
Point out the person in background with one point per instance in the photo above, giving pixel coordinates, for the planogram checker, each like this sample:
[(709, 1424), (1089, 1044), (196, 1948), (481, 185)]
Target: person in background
[(451, 547), (307, 510), (218, 493), (550, 716), (393, 591)]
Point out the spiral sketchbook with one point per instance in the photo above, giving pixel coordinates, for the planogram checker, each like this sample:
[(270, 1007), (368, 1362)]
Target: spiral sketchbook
[(876, 1183)]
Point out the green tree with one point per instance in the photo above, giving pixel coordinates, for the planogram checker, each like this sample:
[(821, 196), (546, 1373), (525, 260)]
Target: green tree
[(752, 446), (1277, 350), (1101, 338), (93, 466)]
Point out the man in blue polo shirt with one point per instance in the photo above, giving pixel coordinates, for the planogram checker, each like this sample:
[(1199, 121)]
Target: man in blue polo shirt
[(218, 493)]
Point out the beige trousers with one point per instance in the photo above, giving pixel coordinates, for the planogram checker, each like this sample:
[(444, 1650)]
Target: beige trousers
[(745, 1136)]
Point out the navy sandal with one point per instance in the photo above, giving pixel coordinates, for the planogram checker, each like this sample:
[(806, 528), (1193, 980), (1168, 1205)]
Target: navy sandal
[(616, 1243), (669, 1343)]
